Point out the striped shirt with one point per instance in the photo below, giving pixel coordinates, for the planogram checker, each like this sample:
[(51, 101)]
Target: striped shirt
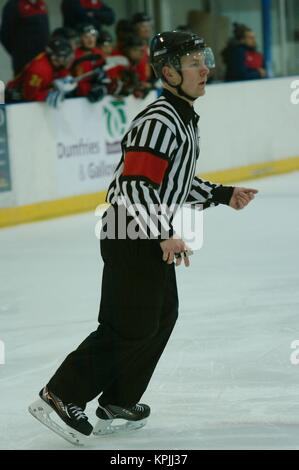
[(157, 168)]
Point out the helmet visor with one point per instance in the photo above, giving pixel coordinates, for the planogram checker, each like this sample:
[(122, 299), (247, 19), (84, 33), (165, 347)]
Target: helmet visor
[(209, 58), (198, 59)]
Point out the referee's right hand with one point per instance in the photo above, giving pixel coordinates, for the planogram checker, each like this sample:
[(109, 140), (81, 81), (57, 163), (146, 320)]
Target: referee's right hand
[(171, 247)]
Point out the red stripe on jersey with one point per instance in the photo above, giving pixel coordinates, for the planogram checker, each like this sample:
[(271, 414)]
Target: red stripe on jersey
[(145, 164), (27, 9), (91, 4)]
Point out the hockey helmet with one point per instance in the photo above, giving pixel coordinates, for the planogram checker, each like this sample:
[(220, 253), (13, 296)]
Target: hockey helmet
[(105, 38), (86, 28), (60, 51), (167, 49), (141, 18)]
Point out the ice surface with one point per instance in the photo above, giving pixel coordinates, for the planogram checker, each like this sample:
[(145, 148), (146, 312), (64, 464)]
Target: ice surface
[(225, 380)]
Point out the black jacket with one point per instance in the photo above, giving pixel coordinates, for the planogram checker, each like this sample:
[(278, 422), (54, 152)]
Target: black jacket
[(24, 31), (86, 11), (242, 62)]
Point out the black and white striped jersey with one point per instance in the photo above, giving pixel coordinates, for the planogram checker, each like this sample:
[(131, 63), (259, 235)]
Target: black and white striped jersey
[(157, 169)]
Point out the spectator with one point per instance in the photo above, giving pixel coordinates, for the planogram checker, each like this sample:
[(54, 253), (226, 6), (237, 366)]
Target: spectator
[(39, 79), (68, 34), (95, 12), (241, 58), (24, 31)]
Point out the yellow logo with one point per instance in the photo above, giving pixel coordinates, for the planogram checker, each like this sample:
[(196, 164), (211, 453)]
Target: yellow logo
[(35, 81)]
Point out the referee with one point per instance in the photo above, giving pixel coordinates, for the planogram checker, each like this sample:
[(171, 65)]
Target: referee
[(139, 301)]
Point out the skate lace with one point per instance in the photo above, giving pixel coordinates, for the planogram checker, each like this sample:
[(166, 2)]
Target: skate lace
[(138, 408), (77, 412)]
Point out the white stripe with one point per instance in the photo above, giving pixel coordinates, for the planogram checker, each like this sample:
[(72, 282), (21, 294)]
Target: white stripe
[(153, 228), (140, 208), (144, 134), (155, 136), (166, 141), (171, 180), (167, 122)]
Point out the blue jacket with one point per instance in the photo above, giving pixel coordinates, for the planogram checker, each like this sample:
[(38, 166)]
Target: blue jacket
[(242, 63), (86, 11)]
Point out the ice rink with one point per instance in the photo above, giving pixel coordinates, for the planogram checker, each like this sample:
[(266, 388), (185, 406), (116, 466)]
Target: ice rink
[(225, 380)]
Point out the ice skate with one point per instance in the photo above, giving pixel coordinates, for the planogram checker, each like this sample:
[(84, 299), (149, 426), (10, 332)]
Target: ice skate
[(127, 418), (76, 429)]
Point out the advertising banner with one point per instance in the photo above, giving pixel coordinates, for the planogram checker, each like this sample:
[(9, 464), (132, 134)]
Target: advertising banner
[(88, 142)]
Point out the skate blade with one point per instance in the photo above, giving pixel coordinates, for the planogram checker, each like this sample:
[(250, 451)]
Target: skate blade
[(104, 426), (41, 411)]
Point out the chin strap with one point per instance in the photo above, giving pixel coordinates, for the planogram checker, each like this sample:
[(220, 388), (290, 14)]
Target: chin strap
[(179, 88), (182, 93)]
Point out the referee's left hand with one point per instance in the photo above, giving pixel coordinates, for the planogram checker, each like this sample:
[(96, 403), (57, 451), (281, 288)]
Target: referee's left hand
[(242, 197), (171, 247)]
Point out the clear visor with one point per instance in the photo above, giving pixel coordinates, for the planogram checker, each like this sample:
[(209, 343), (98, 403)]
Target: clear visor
[(198, 59), (209, 58)]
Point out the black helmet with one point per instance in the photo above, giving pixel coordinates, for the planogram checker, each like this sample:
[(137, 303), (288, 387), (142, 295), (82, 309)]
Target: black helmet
[(86, 28), (64, 32), (105, 38), (140, 18), (170, 46), (59, 47)]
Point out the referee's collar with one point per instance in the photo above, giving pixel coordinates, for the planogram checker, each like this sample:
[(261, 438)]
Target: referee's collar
[(184, 109)]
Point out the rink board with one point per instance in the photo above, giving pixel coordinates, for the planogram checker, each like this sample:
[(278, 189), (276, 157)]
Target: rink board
[(62, 161)]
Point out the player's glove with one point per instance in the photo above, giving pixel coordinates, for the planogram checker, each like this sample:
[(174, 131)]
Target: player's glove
[(97, 93), (66, 84)]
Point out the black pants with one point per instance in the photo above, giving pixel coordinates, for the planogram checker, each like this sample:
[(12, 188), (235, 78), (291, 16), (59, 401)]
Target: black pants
[(138, 310)]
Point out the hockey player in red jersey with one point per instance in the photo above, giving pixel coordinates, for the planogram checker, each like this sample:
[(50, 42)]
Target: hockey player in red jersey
[(39, 81), (115, 74), (131, 69), (105, 43), (88, 58)]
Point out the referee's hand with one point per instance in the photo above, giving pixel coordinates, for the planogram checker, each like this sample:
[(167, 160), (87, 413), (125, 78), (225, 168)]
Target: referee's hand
[(241, 197), (172, 247)]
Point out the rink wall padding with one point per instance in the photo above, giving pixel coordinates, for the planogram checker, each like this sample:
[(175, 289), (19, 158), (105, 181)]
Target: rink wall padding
[(62, 161), (50, 209)]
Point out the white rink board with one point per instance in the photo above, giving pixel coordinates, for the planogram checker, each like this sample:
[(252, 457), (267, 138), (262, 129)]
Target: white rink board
[(66, 152), (248, 122), (73, 150)]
